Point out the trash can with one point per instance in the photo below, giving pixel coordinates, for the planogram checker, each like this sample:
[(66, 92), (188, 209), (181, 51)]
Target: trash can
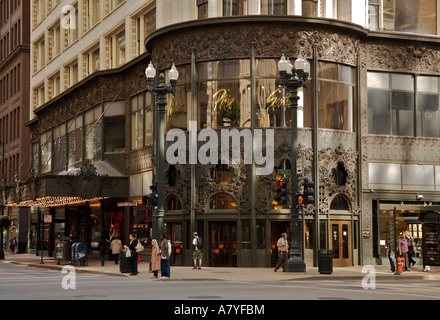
[(325, 261), (62, 249), (124, 263)]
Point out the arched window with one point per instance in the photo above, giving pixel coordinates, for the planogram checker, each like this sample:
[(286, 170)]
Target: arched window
[(222, 201), (222, 174), (340, 203), (173, 203)]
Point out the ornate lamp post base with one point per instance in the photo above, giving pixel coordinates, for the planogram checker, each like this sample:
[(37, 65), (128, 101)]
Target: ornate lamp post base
[(295, 265)]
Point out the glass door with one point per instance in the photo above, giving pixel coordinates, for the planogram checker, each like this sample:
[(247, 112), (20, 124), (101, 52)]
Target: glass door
[(341, 243), (223, 244)]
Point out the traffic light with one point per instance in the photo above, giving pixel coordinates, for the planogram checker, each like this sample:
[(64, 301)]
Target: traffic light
[(152, 197), (309, 192), (281, 191)]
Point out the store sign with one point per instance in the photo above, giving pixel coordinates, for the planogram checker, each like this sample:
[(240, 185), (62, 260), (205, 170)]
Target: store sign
[(127, 204)]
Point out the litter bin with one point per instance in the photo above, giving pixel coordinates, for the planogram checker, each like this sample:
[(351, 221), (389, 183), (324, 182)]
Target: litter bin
[(62, 249), (124, 263), (325, 261)]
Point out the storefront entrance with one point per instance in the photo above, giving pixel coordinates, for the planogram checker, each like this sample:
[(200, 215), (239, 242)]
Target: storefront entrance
[(341, 243), (223, 244)]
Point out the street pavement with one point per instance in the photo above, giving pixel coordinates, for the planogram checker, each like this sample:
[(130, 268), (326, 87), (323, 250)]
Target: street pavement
[(186, 273)]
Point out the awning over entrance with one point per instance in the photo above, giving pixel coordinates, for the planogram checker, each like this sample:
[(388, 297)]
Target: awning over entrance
[(430, 217), (88, 183)]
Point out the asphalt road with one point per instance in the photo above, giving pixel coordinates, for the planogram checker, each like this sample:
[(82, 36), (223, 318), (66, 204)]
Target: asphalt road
[(27, 283)]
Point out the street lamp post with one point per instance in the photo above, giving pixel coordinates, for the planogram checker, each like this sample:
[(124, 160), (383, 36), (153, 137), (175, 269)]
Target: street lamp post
[(293, 78), (161, 90)]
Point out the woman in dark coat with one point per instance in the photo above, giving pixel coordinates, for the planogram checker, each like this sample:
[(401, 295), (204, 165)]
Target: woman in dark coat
[(134, 254)]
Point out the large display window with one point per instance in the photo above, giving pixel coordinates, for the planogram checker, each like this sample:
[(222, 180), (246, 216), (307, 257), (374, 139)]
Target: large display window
[(223, 93), (336, 96)]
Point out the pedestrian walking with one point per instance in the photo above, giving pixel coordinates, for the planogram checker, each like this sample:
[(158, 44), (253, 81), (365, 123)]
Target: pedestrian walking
[(12, 244), (134, 254), (102, 247), (197, 251), (155, 258), (116, 247), (283, 247), (411, 251), (402, 246), (164, 257)]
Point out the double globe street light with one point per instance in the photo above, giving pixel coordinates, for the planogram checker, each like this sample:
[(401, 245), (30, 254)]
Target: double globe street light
[(161, 90), (294, 77)]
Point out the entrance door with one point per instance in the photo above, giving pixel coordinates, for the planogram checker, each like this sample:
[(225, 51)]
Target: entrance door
[(341, 243), (223, 244)]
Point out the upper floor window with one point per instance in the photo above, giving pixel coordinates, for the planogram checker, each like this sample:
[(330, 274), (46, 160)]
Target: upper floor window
[(274, 7), (390, 104), (234, 7), (202, 9), (92, 9), (417, 16), (336, 96)]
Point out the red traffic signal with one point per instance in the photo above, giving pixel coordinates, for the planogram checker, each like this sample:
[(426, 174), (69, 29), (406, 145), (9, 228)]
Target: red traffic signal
[(281, 191)]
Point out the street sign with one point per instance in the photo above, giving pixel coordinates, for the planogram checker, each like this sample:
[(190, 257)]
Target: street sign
[(283, 171), (127, 204)]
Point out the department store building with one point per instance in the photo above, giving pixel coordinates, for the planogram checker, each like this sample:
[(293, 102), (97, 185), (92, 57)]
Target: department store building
[(368, 128)]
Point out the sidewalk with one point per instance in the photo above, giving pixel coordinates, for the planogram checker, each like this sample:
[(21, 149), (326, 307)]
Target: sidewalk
[(179, 273)]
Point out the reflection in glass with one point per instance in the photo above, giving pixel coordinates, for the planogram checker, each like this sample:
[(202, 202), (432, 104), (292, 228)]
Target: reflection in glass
[(272, 100), (234, 7), (222, 201), (222, 174), (274, 7), (93, 140), (402, 114), (418, 16)]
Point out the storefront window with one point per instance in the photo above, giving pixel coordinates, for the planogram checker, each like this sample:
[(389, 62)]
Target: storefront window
[(406, 220), (418, 16), (224, 94), (336, 97), (309, 235), (272, 100), (95, 222)]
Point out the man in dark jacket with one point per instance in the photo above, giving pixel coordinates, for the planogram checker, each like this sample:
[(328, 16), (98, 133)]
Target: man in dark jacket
[(102, 249)]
